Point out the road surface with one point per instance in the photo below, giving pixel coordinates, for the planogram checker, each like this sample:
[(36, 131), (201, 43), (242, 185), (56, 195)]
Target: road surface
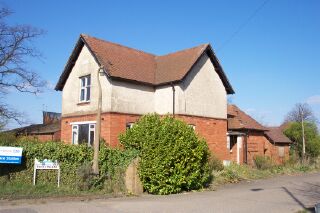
[(279, 194)]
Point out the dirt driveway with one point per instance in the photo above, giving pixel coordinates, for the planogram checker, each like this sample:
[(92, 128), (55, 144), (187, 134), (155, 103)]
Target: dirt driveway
[(280, 194)]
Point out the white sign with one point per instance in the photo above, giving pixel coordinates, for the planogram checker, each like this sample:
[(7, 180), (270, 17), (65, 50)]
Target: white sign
[(45, 164), (12, 155)]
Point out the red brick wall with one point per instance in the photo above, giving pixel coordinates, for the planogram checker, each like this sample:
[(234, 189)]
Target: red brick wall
[(213, 130), (215, 133), (57, 136), (275, 153), (47, 137), (112, 124), (258, 144)]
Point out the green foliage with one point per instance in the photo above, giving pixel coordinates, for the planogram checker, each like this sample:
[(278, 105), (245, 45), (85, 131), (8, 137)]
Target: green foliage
[(74, 161), (263, 162), (173, 158), (115, 183), (313, 147), (312, 138), (84, 173), (7, 138)]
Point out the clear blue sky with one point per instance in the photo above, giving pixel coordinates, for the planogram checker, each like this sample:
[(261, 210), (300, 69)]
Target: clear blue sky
[(273, 61)]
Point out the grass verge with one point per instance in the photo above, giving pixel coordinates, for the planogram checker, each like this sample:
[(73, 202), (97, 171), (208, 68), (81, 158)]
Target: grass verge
[(236, 173)]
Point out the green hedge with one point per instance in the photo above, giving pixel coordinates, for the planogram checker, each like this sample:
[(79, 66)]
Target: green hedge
[(173, 158), (70, 157)]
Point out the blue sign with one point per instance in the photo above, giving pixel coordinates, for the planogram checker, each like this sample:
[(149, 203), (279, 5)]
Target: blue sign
[(11, 155)]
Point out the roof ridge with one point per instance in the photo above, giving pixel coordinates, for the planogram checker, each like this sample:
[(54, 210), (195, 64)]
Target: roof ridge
[(117, 44), (182, 50), (157, 58)]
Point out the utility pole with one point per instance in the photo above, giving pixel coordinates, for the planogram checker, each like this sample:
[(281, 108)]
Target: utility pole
[(303, 138), (96, 143)]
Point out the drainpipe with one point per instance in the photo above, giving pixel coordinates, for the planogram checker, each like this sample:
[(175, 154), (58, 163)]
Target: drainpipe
[(95, 165), (173, 99)]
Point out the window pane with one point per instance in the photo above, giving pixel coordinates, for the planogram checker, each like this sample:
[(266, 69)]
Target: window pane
[(88, 80), (74, 137), (82, 95), (233, 141), (83, 82), (83, 133), (91, 137), (88, 94)]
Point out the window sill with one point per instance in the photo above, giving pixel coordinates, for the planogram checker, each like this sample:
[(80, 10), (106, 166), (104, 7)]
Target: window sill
[(83, 103)]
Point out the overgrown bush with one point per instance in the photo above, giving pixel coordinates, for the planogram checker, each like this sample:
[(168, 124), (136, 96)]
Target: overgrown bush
[(115, 183), (215, 163), (74, 162), (173, 158), (263, 162), (84, 173)]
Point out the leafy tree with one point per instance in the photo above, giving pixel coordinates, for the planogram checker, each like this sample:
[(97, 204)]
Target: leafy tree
[(172, 157), (294, 132), (301, 113), (16, 48)]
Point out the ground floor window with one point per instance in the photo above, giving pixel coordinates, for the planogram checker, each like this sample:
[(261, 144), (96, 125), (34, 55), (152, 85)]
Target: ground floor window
[(129, 125), (233, 141), (192, 126), (83, 133)]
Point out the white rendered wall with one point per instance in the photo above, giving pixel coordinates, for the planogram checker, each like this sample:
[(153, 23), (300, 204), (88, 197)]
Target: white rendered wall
[(202, 93)]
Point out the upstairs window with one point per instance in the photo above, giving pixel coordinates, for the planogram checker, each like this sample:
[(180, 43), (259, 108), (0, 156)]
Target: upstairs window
[(85, 84)]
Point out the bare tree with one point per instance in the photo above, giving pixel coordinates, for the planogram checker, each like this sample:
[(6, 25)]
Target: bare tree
[(300, 113), (15, 48), (300, 109)]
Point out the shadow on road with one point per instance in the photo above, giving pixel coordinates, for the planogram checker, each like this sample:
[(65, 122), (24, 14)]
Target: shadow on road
[(21, 210), (307, 195)]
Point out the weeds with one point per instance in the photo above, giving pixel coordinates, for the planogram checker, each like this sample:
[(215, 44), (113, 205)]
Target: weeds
[(235, 173)]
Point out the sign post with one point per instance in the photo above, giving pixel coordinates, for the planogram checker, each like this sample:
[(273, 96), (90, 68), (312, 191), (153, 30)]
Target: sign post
[(46, 165), (11, 155)]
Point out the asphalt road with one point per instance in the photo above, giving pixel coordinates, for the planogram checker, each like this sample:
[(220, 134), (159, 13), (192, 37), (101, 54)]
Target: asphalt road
[(280, 194)]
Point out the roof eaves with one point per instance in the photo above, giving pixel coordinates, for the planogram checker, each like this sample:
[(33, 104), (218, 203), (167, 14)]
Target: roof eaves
[(69, 65), (220, 71)]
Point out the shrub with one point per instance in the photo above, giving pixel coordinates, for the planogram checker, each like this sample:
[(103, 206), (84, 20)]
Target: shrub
[(262, 162), (115, 183), (215, 163), (74, 160), (173, 158), (84, 173)]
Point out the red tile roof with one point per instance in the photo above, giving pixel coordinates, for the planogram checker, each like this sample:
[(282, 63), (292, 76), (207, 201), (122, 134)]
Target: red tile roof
[(237, 119), (276, 135), (130, 64)]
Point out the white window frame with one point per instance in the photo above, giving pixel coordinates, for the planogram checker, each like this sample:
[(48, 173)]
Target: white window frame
[(192, 126), (129, 125), (75, 129), (85, 88)]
